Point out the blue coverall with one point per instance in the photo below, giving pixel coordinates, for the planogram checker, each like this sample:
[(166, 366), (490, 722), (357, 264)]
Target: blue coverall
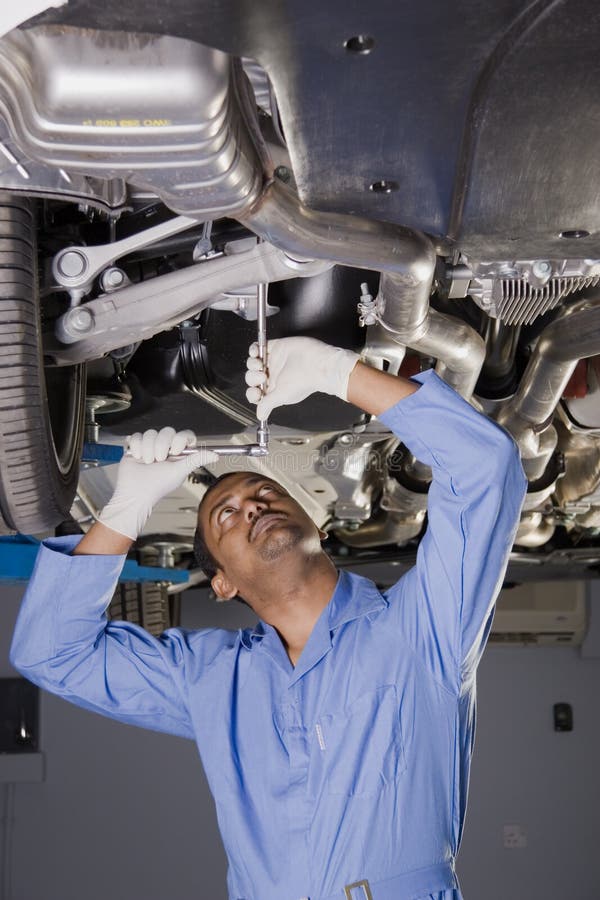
[(353, 766)]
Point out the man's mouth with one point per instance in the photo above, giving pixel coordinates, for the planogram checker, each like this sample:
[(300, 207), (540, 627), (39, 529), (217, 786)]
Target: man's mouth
[(263, 522)]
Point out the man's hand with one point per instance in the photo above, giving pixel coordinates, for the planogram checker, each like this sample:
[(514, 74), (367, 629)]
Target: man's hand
[(299, 366), (296, 368), (148, 475)]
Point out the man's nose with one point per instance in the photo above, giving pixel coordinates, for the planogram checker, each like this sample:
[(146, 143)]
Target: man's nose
[(253, 508)]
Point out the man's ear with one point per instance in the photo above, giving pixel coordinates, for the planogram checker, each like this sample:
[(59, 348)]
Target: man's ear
[(322, 535), (222, 586)]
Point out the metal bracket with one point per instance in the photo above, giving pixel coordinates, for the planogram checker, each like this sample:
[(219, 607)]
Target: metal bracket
[(243, 303)]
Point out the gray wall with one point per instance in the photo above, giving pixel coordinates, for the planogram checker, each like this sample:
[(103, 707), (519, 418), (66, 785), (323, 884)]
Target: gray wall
[(125, 814), (524, 773)]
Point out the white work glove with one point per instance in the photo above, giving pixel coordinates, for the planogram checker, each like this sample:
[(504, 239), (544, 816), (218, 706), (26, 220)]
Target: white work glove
[(148, 475), (296, 368)]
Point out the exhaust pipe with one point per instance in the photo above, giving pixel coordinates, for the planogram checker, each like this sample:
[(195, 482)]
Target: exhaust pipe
[(459, 350), (281, 218), (574, 335), (406, 260)]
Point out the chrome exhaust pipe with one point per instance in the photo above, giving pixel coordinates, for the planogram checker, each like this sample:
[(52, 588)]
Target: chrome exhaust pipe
[(280, 218), (459, 350), (406, 260), (574, 335)]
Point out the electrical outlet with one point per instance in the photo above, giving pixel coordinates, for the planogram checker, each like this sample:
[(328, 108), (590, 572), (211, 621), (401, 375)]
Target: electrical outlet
[(515, 837)]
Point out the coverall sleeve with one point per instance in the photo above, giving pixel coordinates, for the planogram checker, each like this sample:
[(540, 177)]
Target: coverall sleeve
[(444, 605), (64, 643)]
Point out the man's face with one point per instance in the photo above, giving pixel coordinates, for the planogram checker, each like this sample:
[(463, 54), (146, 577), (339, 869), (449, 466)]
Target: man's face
[(250, 523)]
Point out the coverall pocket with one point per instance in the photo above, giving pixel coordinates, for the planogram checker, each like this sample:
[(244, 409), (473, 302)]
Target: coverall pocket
[(361, 747)]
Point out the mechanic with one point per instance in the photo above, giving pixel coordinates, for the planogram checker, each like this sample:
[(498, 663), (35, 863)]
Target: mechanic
[(336, 735)]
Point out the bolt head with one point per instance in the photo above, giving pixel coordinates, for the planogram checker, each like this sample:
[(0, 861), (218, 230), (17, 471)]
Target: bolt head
[(541, 268), (81, 319), (72, 264), (283, 174), (115, 277)]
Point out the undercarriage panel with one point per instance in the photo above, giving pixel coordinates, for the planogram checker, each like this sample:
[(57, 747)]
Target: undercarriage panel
[(451, 101)]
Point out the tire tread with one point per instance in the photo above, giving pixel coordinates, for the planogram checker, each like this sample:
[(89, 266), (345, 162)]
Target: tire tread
[(26, 448)]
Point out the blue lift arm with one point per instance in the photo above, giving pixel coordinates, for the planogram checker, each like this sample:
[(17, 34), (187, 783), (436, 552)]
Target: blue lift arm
[(18, 553)]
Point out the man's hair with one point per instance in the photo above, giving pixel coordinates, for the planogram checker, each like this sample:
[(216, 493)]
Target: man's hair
[(204, 557)]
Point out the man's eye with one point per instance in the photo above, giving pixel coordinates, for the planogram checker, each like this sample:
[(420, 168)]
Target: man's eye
[(224, 514), (268, 487)]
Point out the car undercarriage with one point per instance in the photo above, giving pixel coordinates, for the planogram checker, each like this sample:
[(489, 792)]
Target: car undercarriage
[(417, 184)]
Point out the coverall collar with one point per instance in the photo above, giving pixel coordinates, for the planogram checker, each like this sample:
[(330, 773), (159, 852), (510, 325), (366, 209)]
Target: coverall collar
[(353, 597)]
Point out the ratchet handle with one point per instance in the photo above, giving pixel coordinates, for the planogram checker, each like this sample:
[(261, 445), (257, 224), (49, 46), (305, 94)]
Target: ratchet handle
[(261, 447), (219, 449)]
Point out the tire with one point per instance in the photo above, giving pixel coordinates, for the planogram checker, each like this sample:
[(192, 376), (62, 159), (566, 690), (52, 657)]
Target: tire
[(146, 604), (41, 409)]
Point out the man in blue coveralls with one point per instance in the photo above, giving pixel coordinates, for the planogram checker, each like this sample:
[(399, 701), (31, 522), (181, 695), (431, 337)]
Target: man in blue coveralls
[(337, 734)]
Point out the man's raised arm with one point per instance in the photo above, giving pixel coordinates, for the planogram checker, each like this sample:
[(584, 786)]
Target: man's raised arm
[(443, 606)]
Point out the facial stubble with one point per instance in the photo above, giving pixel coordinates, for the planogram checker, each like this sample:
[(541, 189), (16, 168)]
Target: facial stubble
[(279, 541)]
